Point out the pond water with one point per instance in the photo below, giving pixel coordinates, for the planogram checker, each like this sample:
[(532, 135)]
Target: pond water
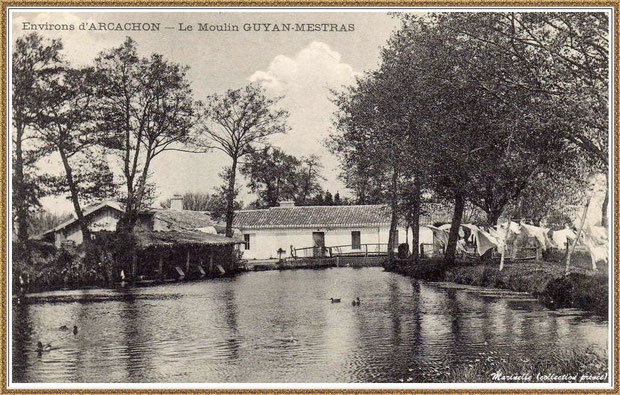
[(281, 327)]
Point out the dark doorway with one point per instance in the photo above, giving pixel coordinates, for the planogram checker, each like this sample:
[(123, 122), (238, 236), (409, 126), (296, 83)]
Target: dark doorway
[(319, 244)]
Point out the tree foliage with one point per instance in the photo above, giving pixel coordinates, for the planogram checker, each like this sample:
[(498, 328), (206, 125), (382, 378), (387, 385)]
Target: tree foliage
[(275, 176), (234, 122), (476, 107), (65, 125), (34, 61), (145, 105)]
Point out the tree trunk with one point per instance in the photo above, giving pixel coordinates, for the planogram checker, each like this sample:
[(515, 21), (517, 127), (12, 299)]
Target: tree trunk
[(394, 219), (75, 198), (415, 222), (604, 219), (128, 221), (493, 216), (459, 207), (230, 198), (21, 205), (407, 226)]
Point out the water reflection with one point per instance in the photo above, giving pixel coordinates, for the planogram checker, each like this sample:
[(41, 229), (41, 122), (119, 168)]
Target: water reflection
[(281, 327)]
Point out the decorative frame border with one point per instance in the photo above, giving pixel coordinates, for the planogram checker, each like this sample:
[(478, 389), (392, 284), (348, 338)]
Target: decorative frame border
[(615, 4)]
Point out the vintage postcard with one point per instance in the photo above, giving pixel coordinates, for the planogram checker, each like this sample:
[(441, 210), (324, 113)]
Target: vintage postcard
[(309, 198)]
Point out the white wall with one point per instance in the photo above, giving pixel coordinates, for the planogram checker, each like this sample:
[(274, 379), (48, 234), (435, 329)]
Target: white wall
[(105, 219), (264, 243)]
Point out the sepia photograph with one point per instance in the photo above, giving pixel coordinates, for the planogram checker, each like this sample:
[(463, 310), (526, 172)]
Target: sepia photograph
[(298, 198)]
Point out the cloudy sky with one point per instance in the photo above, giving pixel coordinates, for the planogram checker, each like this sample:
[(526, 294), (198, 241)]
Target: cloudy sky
[(301, 66)]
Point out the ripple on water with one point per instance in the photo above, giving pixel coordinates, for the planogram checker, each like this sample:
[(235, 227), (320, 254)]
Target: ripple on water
[(281, 327)]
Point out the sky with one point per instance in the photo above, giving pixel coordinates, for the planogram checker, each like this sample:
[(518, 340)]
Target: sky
[(300, 66)]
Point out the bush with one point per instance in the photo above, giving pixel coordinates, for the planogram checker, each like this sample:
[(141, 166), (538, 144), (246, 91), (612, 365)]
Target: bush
[(578, 290), (541, 279)]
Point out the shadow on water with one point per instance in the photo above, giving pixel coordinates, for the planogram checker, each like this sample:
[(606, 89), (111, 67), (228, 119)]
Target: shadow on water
[(22, 337)]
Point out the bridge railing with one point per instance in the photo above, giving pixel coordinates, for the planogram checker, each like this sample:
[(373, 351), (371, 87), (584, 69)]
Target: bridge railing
[(368, 249)]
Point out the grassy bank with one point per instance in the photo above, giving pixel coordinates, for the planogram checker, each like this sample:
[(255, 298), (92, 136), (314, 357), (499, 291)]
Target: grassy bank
[(547, 281), (564, 366)]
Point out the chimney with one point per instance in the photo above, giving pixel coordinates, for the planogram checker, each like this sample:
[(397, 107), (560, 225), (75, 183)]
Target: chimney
[(176, 202), (287, 204)]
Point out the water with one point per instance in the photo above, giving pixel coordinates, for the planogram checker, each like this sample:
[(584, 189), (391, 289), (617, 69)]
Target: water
[(281, 327)]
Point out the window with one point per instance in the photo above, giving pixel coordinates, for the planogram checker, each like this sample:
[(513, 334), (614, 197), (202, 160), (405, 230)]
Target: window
[(246, 239), (356, 240)]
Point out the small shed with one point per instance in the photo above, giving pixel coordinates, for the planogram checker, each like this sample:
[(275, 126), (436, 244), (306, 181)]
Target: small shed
[(184, 253)]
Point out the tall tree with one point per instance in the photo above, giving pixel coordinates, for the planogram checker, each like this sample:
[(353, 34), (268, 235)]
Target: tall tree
[(220, 205), (275, 176), (564, 56), (494, 135), (146, 104), (233, 123), (65, 125), (272, 175), (309, 176), (462, 115), (34, 61)]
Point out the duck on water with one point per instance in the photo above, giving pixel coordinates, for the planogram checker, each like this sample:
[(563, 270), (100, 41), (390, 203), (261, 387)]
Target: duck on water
[(65, 328), (41, 348)]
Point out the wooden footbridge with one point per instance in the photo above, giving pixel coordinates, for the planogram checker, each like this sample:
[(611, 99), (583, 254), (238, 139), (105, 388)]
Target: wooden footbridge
[(360, 250)]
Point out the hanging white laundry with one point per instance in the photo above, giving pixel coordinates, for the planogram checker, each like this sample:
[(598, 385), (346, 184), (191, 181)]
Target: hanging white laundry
[(540, 234), (485, 241), (460, 246), (473, 232), (440, 238), (596, 240), (563, 237), (447, 227)]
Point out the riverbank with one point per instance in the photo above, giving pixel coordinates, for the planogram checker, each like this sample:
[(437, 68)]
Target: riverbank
[(572, 365), (40, 266), (314, 263), (582, 288)]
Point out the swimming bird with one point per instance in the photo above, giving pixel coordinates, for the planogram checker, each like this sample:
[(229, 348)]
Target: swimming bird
[(335, 300), (356, 302), (63, 328), (41, 347), (75, 329)]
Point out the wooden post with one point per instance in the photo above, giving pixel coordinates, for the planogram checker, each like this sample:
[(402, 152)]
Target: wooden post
[(514, 250), (187, 263), (501, 261), (583, 220), (134, 262), (202, 270), (161, 268)]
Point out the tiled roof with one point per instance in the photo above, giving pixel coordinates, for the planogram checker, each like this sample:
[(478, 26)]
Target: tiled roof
[(319, 216), (147, 239), (183, 219)]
